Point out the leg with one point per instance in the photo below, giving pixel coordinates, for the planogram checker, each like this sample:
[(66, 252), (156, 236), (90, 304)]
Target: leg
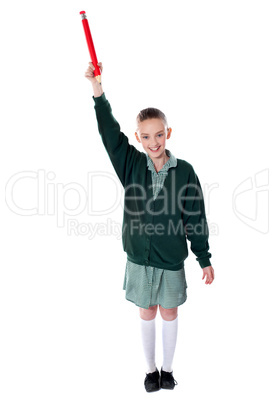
[(169, 335), (168, 314), (148, 314), (147, 317)]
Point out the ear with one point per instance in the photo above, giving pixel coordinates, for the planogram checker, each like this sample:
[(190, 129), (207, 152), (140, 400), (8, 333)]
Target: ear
[(169, 132), (137, 138)]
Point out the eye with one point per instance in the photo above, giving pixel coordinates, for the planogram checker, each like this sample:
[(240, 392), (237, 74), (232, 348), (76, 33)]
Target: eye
[(160, 134), (145, 136)]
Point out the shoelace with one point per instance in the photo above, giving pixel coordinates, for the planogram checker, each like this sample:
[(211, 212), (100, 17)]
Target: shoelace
[(169, 377)]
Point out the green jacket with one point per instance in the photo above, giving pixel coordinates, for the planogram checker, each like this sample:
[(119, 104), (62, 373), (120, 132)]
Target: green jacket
[(154, 232)]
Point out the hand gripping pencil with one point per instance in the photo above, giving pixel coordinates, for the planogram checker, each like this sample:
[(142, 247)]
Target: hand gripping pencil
[(97, 72)]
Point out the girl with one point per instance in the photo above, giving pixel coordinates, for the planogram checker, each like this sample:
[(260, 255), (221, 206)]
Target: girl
[(156, 251)]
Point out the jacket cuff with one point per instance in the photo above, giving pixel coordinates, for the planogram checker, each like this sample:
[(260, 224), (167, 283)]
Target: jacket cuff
[(99, 100), (205, 262)]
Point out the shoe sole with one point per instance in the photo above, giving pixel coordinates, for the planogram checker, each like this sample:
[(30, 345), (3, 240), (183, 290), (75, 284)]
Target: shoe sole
[(153, 390), (167, 388)]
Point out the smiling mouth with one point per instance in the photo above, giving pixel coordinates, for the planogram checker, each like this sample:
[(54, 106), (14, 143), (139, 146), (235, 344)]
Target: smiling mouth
[(154, 149)]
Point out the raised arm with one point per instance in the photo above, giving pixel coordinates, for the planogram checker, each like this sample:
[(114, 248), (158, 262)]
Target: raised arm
[(121, 153)]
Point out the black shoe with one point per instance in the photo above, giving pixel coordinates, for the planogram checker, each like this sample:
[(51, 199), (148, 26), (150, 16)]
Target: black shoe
[(152, 381), (167, 381)]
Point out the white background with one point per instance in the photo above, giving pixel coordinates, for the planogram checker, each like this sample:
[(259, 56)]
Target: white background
[(67, 332)]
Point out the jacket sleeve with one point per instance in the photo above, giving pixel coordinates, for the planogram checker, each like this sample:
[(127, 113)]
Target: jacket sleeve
[(194, 218), (121, 153)]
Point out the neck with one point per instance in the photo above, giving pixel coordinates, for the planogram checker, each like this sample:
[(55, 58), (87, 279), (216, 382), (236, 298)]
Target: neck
[(160, 162)]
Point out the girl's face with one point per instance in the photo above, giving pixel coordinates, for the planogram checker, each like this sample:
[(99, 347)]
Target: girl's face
[(153, 135)]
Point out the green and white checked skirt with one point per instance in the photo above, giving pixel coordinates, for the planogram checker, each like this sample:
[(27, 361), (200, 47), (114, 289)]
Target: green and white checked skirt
[(148, 286)]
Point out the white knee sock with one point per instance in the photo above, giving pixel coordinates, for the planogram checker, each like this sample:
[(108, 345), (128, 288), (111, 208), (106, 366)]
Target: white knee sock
[(169, 337), (148, 340)]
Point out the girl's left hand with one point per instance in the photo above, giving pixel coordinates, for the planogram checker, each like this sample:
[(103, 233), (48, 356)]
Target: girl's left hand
[(208, 272)]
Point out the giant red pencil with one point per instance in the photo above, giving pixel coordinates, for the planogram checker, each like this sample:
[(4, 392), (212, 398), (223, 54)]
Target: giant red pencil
[(97, 72)]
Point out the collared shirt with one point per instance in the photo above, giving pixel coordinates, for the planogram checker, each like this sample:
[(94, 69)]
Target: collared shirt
[(159, 178)]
